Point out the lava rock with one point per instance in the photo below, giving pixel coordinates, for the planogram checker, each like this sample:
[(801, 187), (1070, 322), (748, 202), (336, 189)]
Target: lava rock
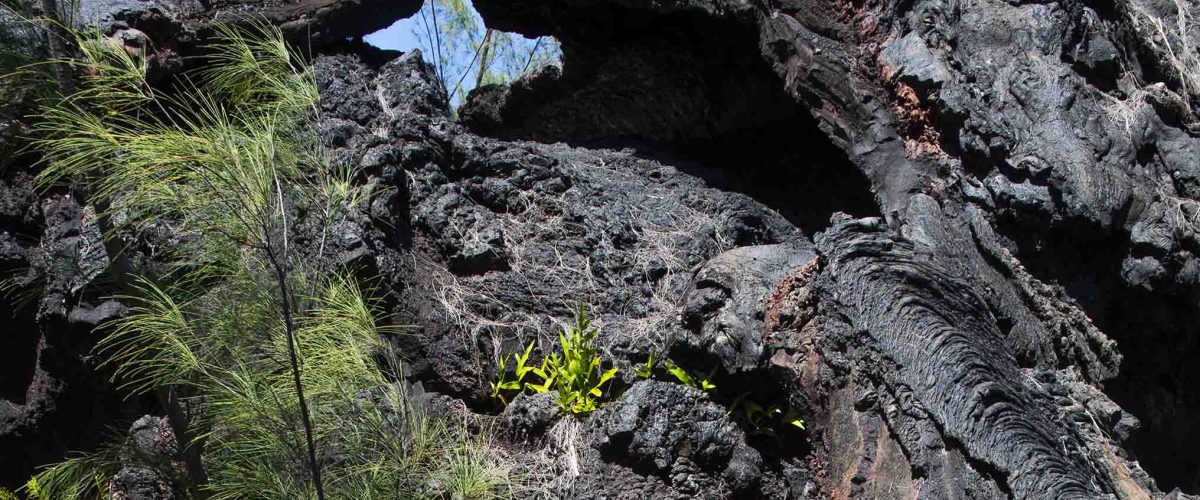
[(666, 427), (150, 459), (140, 483), (529, 416), (911, 61), (724, 310), (151, 442)]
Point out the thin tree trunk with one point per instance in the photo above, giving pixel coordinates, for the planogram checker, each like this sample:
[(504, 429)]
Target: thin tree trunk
[(485, 50), (437, 33), (190, 447), (289, 326), (56, 41)]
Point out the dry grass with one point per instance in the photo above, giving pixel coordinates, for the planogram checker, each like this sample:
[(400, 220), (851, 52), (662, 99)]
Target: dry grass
[(1171, 37), (557, 459), (542, 240), (1129, 112), (1180, 215)]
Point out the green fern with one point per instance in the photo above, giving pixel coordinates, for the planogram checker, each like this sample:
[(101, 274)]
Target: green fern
[(573, 375)]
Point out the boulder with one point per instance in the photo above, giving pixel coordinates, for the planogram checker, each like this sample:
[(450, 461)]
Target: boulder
[(726, 303)]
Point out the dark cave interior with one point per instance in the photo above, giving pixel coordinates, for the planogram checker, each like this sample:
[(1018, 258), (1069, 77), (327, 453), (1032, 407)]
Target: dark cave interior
[(694, 93)]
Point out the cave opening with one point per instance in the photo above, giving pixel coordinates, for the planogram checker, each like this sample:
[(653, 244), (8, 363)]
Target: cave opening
[(20, 288), (688, 91), (786, 164), (1160, 342)]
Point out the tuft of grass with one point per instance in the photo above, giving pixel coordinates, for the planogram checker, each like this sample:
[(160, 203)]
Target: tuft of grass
[(283, 353), (1171, 37), (474, 472)]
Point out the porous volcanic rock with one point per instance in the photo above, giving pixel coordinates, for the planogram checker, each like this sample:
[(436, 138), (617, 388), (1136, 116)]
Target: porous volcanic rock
[(960, 237), (1037, 153)]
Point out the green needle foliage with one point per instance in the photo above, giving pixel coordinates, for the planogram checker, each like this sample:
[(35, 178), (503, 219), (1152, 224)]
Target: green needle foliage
[(281, 355), (22, 79), (215, 159)]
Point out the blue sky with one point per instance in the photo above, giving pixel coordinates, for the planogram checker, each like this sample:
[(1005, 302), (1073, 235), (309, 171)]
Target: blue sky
[(398, 36), (401, 35), (513, 55)]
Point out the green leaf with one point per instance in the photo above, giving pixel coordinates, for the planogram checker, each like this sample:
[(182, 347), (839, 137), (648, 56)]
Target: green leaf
[(794, 419), (603, 378), (607, 375), (523, 358), (681, 374), (543, 387), (645, 371)]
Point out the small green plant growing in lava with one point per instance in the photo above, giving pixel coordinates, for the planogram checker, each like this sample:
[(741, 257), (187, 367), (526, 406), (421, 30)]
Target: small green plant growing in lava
[(503, 384), (760, 419), (764, 420), (705, 383), (32, 489), (574, 374), (645, 371)]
